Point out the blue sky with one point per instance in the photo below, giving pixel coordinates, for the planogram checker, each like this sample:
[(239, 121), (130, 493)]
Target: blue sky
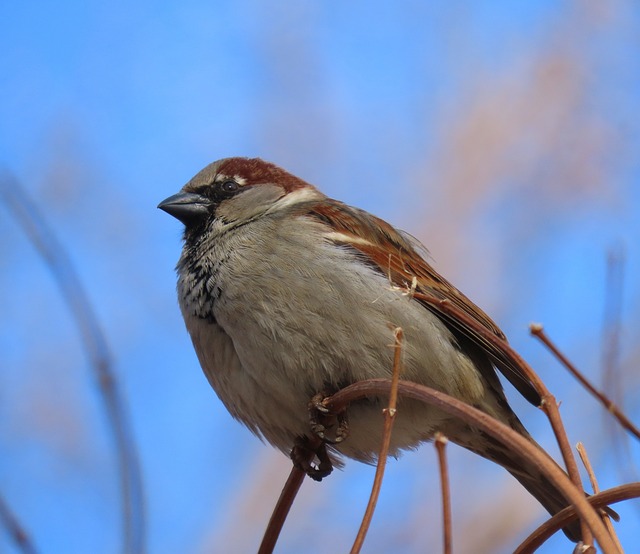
[(504, 137)]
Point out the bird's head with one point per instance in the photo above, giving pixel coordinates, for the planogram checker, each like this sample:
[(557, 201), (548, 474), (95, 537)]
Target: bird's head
[(234, 191)]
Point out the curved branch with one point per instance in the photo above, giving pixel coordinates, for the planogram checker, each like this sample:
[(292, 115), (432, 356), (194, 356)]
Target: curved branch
[(507, 436), (95, 345), (558, 521), (548, 404)]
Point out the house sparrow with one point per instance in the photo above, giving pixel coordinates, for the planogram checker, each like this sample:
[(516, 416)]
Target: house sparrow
[(287, 293)]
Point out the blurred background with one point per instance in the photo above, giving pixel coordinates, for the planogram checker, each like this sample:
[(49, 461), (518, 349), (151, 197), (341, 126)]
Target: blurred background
[(503, 135)]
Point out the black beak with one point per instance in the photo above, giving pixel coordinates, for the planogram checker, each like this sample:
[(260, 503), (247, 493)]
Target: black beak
[(188, 207)]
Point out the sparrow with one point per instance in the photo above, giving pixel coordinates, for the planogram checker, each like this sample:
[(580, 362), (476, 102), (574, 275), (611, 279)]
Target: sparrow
[(288, 294)]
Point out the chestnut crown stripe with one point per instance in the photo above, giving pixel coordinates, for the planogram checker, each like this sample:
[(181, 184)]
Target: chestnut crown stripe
[(396, 258), (255, 171)]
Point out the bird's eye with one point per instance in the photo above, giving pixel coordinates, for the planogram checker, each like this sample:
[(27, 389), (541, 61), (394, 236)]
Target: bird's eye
[(228, 188)]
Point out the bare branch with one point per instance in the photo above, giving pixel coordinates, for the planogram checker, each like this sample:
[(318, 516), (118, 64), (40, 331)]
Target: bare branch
[(95, 344), (281, 511), (440, 442), (498, 430), (16, 530), (587, 465), (538, 331), (612, 378), (612, 326), (558, 521), (389, 417), (548, 403), (582, 451)]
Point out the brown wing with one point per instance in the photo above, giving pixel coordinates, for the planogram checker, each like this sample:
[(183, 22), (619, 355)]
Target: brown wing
[(393, 255)]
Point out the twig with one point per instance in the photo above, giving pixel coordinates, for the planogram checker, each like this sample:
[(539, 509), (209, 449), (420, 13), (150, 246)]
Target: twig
[(596, 489), (558, 521), (587, 465), (498, 430), (538, 331), (441, 448), (612, 321), (612, 378), (389, 418), (548, 403), (16, 530), (95, 344), (280, 512)]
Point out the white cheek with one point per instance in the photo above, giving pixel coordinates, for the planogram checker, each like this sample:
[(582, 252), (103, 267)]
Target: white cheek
[(296, 197)]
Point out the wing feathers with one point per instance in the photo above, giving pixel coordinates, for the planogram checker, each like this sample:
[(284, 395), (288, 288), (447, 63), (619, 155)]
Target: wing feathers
[(394, 255)]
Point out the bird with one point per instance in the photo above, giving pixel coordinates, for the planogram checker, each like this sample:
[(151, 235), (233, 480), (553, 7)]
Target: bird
[(288, 294)]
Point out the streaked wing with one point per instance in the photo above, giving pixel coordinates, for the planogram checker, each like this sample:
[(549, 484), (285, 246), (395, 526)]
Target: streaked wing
[(393, 255)]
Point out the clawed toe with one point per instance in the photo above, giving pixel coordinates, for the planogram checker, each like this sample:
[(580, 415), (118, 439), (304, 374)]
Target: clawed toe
[(317, 403), (322, 420), (342, 432)]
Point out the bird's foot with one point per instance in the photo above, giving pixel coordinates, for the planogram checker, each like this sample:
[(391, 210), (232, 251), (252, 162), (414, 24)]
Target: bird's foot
[(323, 420), (303, 453)]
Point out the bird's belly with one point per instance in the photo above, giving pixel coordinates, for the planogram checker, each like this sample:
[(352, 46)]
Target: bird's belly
[(277, 415), (275, 407)]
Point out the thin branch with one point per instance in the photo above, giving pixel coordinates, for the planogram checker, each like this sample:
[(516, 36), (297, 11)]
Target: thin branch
[(16, 531), (587, 465), (95, 344), (281, 511), (498, 430), (582, 451), (538, 331), (440, 442), (558, 521), (548, 403), (389, 418), (612, 378), (594, 485), (612, 321)]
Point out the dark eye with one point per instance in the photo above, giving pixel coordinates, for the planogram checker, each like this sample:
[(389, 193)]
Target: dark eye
[(228, 188)]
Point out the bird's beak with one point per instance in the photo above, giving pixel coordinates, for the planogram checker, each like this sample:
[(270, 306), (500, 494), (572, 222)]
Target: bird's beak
[(187, 207)]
